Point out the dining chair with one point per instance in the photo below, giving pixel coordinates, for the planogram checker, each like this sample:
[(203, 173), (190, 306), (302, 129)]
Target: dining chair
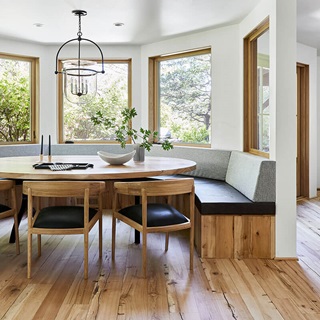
[(10, 210), (63, 219), (152, 215)]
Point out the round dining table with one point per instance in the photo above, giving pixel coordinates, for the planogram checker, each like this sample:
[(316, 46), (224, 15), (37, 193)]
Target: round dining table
[(24, 168)]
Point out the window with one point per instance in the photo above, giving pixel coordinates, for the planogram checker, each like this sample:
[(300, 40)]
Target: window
[(256, 94), (18, 99), (180, 97), (113, 95)]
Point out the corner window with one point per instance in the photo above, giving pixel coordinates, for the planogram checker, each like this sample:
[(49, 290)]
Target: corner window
[(256, 91), (18, 99), (113, 95), (180, 97)]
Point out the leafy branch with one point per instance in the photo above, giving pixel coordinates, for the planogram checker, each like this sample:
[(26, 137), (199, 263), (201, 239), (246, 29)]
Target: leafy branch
[(124, 130)]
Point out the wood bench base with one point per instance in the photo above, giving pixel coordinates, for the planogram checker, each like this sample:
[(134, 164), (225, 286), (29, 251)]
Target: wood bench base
[(235, 236)]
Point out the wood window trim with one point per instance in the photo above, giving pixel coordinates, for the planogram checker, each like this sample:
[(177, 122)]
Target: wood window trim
[(153, 76), (250, 89), (34, 95), (60, 99)]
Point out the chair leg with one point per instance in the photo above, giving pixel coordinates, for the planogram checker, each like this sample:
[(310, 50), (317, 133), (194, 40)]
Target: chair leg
[(191, 246), (39, 245), (16, 232), (29, 255), (167, 241), (86, 249), (113, 244), (100, 237), (144, 254)]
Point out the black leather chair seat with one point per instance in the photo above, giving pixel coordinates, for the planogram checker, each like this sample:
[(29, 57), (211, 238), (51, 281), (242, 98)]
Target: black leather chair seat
[(4, 208), (158, 215), (61, 217)]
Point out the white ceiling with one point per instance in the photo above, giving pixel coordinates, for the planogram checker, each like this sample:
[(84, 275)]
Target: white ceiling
[(308, 22), (144, 21)]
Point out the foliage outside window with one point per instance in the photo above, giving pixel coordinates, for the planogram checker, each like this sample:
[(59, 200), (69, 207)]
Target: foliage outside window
[(181, 97), (256, 84), (113, 96), (18, 78)]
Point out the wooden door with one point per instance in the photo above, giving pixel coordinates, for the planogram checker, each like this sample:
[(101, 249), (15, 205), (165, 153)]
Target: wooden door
[(302, 130)]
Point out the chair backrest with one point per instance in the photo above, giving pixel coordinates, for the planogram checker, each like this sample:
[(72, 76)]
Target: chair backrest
[(8, 210), (6, 184), (58, 189), (156, 187)]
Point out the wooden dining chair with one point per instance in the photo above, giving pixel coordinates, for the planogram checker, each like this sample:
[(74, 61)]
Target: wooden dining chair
[(10, 210), (153, 216), (63, 219)]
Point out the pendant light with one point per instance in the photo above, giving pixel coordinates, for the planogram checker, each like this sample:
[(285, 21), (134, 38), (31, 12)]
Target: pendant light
[(79, 75)]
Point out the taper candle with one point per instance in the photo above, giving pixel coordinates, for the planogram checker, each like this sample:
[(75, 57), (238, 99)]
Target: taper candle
[(41, 147), (49, 153)]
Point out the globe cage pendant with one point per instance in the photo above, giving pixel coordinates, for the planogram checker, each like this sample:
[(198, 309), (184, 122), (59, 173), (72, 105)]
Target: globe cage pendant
[(79, 75)]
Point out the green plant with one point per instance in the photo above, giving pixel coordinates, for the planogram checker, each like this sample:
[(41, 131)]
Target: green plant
[(123, 129)]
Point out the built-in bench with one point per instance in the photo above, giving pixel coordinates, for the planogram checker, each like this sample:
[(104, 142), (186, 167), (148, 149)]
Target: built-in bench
[(235, 204), (235, 197)]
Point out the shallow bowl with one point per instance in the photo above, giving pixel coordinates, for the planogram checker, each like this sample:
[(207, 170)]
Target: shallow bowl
[(116, 158)]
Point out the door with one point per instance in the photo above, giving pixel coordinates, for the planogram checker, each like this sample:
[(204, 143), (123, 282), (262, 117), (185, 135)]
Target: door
[(302, 130)]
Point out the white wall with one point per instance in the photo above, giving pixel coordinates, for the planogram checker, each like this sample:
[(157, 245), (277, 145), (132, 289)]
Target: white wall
[(318, 120), (282, 18), (226, 114), (308, 56)]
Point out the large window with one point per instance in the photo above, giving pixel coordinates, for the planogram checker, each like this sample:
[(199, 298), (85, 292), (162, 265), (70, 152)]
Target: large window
[(113, 95), (256, 84), (180, 97), (18, 96)]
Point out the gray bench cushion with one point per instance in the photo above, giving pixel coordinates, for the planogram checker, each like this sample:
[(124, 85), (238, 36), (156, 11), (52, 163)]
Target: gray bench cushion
[(211, 163), (253, 176)]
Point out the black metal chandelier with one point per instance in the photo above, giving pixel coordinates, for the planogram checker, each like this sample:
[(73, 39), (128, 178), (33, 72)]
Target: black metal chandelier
[(79, 75)]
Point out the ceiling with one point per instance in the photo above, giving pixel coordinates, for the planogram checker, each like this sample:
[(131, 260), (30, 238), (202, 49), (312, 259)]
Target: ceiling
[(308, 22), (145, 21)]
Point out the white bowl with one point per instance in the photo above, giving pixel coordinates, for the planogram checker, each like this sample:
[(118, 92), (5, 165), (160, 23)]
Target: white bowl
[(116, 158)]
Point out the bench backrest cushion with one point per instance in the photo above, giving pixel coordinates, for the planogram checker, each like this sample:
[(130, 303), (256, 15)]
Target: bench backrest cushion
[(61, 149), (212, 164), (253, 176), (19, 150)]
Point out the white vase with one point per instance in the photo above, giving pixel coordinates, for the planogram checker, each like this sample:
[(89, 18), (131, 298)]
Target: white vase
[(140, 153)]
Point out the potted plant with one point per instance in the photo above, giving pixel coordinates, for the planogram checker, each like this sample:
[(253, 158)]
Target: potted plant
[(142, 139)]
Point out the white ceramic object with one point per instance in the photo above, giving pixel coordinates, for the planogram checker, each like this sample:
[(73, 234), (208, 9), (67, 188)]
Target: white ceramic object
[(116, 158)]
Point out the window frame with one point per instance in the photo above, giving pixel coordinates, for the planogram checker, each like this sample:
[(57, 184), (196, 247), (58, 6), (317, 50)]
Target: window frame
[(34, 97), (60, 98), (153, 106), (250, 88)]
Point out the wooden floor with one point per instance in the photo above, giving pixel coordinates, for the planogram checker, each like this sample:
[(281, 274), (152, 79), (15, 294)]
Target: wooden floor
[(217, 289)]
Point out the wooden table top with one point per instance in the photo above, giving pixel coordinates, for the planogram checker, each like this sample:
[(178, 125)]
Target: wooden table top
[(22, 168)]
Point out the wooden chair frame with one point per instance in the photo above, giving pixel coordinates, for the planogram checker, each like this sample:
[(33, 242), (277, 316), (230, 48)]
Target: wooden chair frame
[(146, 189), (9, 185), (63, 189)]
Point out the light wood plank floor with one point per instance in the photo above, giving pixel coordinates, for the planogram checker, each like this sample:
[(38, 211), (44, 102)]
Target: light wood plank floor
[(217, 289)]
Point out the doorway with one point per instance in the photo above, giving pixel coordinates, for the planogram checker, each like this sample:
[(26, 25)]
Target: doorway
[(302, 130)]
